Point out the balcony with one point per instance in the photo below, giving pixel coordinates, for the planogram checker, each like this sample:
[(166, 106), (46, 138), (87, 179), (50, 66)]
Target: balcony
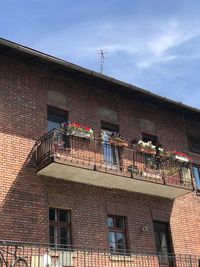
[(101, 164), (45, 255)]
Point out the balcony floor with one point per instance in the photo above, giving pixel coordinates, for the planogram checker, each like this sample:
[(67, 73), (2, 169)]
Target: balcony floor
[(100, 176)]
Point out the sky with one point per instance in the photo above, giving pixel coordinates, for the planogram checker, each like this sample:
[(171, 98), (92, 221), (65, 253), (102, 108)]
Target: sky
[(153, 44)]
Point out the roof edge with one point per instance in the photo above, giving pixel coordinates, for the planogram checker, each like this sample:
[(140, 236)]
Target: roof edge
[(27, 50)]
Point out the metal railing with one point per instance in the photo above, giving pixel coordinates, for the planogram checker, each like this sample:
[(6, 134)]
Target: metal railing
[(46, 255), (104, 157)]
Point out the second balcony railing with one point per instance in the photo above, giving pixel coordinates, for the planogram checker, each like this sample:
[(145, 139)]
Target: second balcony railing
[(104, 157)]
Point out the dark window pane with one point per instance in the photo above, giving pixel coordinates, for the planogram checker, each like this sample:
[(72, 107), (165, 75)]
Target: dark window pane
[(157, 238), (149, 137), (65, 236), (53, 234), (63, 233), (52, 216), (55, 117), (53, 125), (109, 126), (119, 222), (162, 237), (63, 241), (64, 216)]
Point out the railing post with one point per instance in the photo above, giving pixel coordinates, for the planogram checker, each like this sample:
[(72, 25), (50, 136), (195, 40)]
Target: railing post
[(192, 176), (95, 153), (163, 177)]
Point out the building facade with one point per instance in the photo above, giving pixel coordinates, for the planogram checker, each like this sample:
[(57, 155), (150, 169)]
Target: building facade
[(87, 191)]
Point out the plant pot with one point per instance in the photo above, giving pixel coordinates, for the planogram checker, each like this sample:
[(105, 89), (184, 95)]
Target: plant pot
[(181, 158), (118, 142), (78, 133), (146, 150)]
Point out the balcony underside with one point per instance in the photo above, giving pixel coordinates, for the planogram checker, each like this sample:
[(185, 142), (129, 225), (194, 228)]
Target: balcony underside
[(100, 175)]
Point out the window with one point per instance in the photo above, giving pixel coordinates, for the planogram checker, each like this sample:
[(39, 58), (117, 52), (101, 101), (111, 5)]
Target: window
[(162, 237), (186, 175), (196, 174), (150, 160), (117, 234), (194, 144), (111, 153), (55, 117), (59, 227), (149, 137)]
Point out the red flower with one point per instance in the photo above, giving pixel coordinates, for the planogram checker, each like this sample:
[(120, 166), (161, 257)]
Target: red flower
[(180, 154)]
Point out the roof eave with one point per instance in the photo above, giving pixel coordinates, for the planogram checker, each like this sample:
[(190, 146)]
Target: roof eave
[(55, 60)]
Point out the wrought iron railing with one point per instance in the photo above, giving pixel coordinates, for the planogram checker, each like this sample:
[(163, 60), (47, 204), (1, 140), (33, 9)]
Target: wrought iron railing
[(104, 157), (18, 254)]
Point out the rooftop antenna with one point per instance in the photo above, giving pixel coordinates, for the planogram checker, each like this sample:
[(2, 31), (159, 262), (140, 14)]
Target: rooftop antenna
[(102, 56), (102, 61)]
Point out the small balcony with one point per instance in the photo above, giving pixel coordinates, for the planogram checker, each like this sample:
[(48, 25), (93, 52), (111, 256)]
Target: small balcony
[(101, 164)]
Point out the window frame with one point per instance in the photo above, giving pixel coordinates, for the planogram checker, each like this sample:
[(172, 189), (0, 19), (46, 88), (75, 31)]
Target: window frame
[(163, 227), (58, 224), (118, 230)]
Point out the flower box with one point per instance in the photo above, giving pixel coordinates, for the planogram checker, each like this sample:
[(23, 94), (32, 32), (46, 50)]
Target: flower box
[(78, 133), (118, 142), (76, 129), (146, 150), (182, 157), (146, 145)]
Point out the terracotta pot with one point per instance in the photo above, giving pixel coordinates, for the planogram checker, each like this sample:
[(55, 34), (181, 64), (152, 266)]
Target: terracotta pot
[(119, 143)]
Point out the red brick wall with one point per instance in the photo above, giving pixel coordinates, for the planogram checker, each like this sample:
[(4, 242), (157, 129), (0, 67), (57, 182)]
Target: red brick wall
[(26, 197)]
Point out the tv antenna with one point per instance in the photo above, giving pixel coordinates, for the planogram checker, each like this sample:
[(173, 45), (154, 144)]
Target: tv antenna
[(102, 59)]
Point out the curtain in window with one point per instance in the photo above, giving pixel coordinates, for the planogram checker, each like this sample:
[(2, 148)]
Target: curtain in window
[(110, 153)]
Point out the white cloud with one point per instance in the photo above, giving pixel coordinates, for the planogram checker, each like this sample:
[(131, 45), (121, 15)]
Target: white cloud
[(171, 34), (146, 44)]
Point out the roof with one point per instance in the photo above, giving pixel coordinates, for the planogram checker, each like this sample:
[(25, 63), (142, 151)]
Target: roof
[(6, 45)]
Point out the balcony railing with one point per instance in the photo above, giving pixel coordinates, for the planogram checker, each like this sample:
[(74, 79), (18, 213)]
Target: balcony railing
[(106, 158), (18, 254)]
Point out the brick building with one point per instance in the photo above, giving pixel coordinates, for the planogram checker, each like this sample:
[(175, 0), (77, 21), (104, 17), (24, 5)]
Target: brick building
[(116, 196)]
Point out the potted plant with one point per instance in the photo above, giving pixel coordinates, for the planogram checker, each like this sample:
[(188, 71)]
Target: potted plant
[(117, 140), (182, 157), (146, 147), (76, 129)]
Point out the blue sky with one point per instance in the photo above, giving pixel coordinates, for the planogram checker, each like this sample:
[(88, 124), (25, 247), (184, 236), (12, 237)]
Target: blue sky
[(152, 44)]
